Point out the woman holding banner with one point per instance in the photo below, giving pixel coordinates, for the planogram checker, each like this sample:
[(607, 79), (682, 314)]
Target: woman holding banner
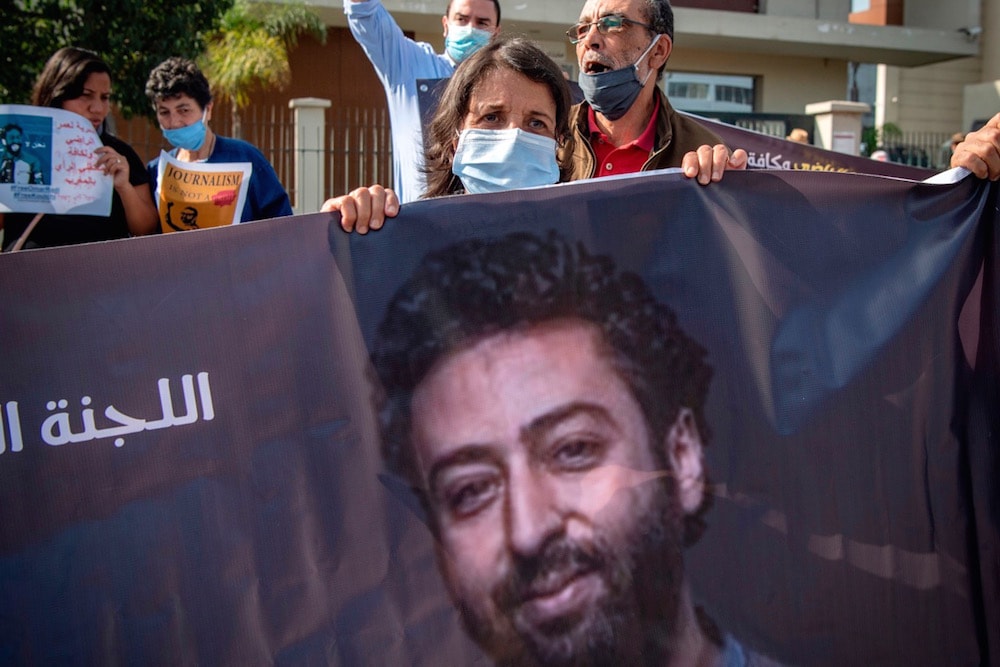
[(496, 128), (78, 80)]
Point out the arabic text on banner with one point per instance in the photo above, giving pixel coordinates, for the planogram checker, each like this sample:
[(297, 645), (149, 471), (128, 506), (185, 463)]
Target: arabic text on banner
[(191, 470)]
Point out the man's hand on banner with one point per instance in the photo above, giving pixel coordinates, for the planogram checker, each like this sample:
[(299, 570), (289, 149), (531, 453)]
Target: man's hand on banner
[(980, 152), (708, 163), (364, 208)]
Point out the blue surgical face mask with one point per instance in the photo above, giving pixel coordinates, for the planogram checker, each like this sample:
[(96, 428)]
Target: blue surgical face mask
[(464, 40), (498, 160), (612, 94), (190, 137)]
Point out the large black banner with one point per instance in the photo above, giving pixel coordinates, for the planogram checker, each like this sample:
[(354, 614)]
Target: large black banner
[(757, 420)]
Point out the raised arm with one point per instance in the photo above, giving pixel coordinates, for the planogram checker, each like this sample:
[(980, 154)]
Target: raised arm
[(396, 57)]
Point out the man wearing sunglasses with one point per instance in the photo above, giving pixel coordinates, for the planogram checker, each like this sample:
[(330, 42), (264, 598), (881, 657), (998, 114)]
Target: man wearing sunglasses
[(625, 124)]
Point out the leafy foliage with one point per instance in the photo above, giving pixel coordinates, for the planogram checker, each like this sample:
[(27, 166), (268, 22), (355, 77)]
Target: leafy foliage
[(133, 36), (874, 138), (250, 49)]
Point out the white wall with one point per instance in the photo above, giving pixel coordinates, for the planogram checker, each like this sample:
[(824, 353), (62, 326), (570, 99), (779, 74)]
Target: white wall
[(785, 85), (941, 14), (932, 96), (935, 98), (990, 40)]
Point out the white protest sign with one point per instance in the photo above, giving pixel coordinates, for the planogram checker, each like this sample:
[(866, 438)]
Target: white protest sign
[(47, 163)]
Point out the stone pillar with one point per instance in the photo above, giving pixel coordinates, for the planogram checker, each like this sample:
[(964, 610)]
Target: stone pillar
[(310, 153), (838, 125)]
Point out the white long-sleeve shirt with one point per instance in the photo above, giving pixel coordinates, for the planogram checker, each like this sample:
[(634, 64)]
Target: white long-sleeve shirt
[(399, 62)]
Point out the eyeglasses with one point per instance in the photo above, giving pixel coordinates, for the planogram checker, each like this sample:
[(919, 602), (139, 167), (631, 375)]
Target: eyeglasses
[(613, 23)]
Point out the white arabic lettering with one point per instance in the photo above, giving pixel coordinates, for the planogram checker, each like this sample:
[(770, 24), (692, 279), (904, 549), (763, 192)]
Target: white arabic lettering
[(56, 431), (767, 161), (13, 427)]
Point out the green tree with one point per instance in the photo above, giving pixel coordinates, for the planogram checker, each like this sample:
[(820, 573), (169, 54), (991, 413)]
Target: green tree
[(249, 51), (874, 138), (131, 35)]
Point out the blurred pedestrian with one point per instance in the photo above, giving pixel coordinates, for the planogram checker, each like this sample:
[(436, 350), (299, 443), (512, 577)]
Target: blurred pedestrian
[(948, 148), (798, 135)]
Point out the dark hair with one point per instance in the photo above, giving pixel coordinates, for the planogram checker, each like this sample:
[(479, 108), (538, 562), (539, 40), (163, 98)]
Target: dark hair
[(660, 15), (178, 76), (64, 76), (480, 287), (7, 128), (514, 53), (496, 3)]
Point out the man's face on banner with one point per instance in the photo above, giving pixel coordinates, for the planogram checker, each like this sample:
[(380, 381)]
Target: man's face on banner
[(189, 216), (13, 140), (560, 531)]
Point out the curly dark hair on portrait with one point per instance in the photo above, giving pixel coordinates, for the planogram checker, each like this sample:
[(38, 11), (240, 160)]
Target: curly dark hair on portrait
[(477, 288), (178, 76), (513, 53)]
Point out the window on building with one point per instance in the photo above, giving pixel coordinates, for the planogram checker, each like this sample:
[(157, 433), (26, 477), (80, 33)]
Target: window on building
[(700, 93), (734, 94), (688, 90)]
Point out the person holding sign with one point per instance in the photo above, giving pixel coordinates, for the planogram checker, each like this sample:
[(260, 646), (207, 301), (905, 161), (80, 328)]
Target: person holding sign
[(78, 80), (218, 176)]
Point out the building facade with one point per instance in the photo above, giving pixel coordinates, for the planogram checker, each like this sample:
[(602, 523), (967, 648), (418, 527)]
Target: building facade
[(789, 53), (930, 66)]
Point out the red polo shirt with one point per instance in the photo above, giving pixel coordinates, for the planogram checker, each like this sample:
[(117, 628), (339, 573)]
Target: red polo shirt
[(627, 159)]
